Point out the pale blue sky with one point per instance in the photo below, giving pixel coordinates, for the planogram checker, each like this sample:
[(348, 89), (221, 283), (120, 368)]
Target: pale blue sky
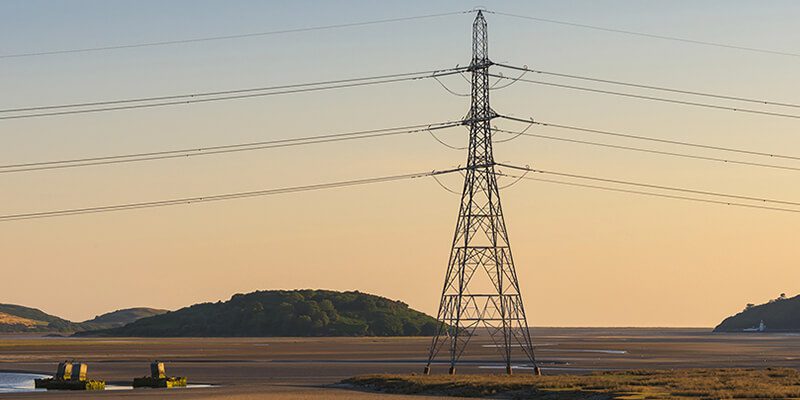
[(661, 255)]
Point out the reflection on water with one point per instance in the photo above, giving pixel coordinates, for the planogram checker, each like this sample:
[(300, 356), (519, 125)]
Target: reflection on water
[(587, 351), (13, 383), (550, 368), (22, 382)]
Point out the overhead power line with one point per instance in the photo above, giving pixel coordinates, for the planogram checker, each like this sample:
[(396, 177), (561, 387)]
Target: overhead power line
[(652, 36), (222, 149), (390, 178), (653, 87), (220, 197), (202, 97), (653, 194), (651, 139), (652, 98), (652, 186), (650, 151), (230, 91), (228, 37)]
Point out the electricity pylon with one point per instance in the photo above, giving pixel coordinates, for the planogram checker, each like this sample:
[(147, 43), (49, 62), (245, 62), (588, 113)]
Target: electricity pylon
[(481, 289)]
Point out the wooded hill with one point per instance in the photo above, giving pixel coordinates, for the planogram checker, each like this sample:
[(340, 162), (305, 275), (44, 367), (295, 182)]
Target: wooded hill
[(779, 315), (285, 313)]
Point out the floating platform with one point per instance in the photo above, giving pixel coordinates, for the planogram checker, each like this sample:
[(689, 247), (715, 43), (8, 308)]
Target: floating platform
[(171, 382), (55, 384), (69, 376), (158, 378)]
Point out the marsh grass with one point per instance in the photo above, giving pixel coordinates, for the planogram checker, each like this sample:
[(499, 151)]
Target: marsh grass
[(770, 383)]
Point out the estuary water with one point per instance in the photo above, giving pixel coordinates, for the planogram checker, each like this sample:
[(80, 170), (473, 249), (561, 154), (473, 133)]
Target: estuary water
[(18, 382)]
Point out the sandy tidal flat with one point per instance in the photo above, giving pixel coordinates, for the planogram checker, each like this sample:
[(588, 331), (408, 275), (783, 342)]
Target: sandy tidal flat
[(305, 368)]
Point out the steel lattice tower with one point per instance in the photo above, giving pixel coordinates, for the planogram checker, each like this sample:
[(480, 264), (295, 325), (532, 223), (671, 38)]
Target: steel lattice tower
[(481, 289)]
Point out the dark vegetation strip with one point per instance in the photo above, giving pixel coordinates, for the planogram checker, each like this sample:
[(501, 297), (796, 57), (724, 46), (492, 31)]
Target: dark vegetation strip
[(770, 383)]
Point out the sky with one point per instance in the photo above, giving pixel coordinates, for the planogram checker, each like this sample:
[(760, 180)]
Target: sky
[(584, 257)]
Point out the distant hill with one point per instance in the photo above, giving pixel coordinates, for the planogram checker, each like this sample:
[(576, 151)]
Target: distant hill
[(37, 320), (779, 315), (285, 313), (20, 319), (10, 322), (122, 317)]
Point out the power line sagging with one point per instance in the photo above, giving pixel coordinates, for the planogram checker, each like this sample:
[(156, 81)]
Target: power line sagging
[(205, 97), (219, 197), (224, 149), (228, 37), (651, 35)]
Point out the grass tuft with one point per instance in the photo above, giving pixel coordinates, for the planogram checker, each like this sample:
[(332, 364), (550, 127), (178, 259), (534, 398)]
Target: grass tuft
[(771, 383)]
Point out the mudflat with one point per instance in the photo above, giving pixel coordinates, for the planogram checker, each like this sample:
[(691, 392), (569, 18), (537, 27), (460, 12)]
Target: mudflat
[(310, 368)]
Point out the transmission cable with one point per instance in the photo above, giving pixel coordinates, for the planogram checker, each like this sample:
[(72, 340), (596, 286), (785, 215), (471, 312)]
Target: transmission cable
[(461, 74), (652, 186), (228, 196), (651, 139), (514, 136), (639, 192), (651, 151), (453, 92), (652, 87), (650, 35), (443, 143), (516, 181), (443, 186), (229, 148), (229, 94), (227, 37), (653, 98), (231, 91), (513, 81)]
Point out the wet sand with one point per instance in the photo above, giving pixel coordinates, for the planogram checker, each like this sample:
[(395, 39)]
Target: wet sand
[(305, 368)]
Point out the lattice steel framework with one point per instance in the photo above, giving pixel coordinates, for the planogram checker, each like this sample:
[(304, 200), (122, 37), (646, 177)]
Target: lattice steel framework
[(481, 289)]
